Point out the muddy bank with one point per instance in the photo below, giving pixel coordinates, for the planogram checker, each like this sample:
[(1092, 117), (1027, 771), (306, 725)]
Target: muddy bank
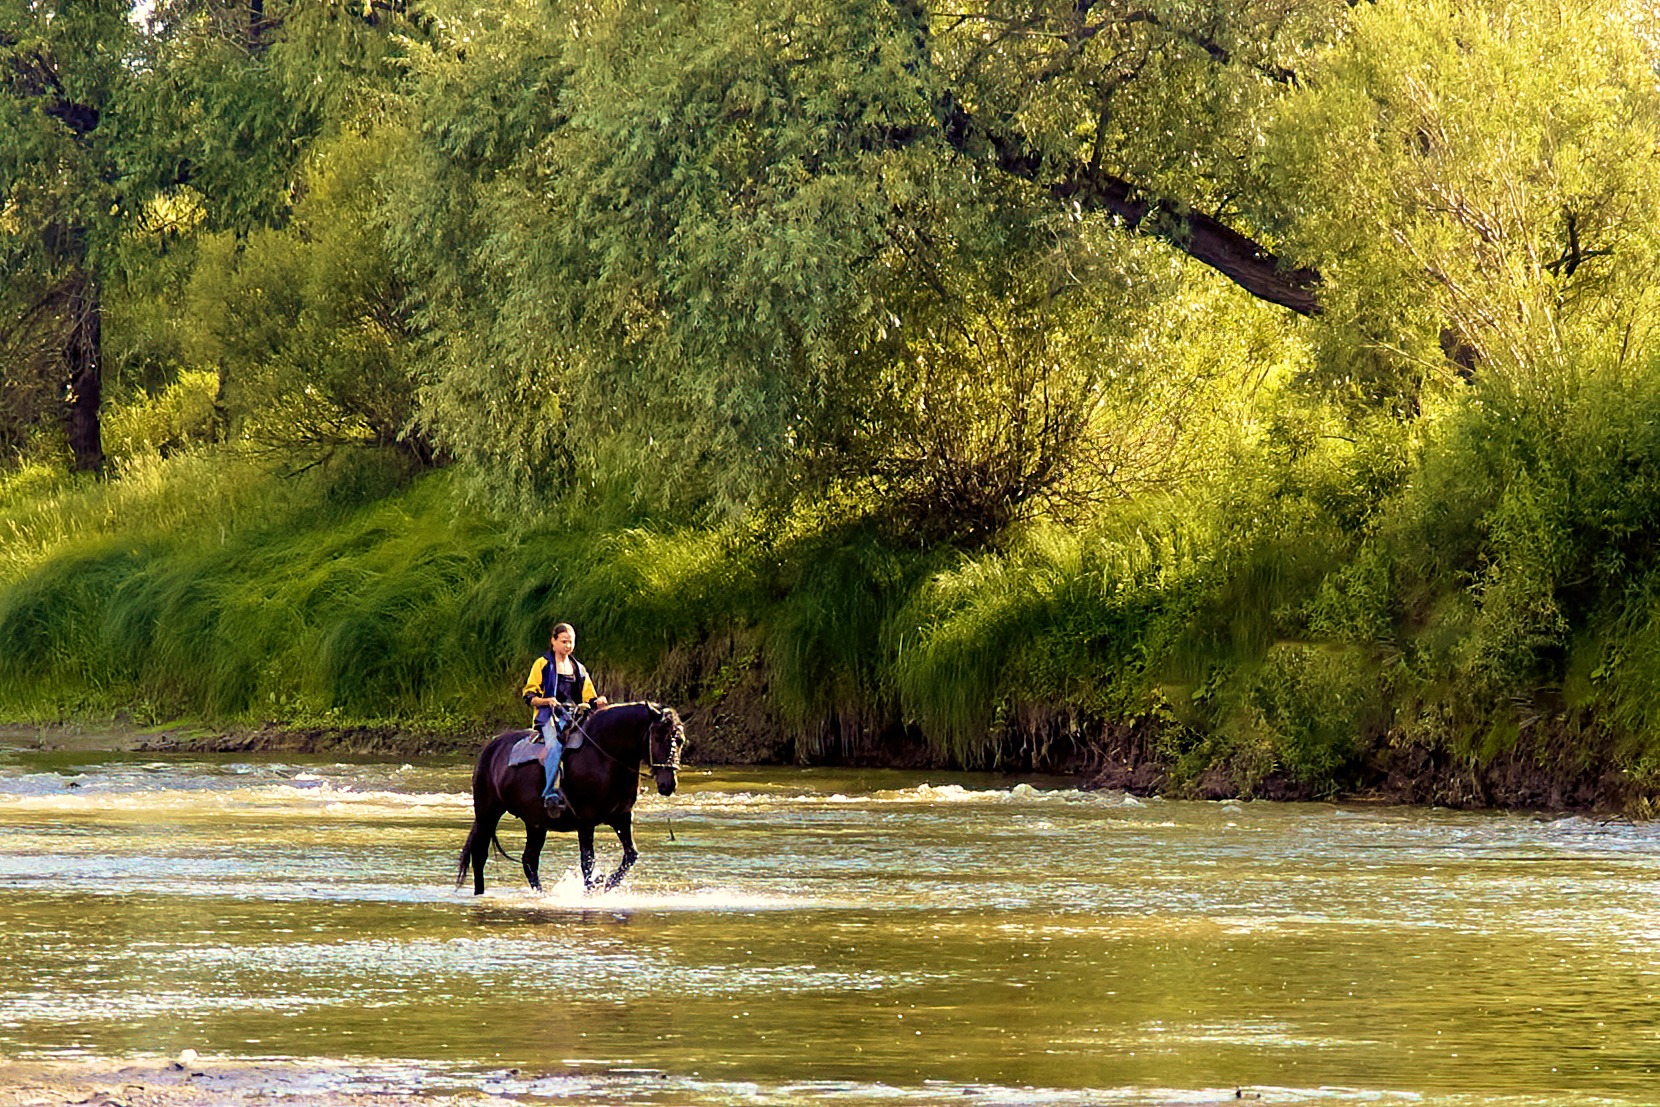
[(717, 736), (271, 737), (171, 1084), (1541, 772)]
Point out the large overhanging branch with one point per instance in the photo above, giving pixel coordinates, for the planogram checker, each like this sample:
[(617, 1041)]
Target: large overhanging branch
[(1202, 237), (33, 75)]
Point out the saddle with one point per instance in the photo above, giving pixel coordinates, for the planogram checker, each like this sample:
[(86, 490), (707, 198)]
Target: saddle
[(532, 748), (528, 749)]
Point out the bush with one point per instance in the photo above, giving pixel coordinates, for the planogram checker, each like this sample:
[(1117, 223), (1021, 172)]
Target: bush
[(182, 415)]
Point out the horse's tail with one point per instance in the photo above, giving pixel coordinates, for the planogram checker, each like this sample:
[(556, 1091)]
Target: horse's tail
[(467, 858), (466, 862)]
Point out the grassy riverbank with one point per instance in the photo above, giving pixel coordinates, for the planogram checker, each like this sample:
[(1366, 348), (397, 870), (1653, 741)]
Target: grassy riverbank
[(1276, 416), (1467, 621)]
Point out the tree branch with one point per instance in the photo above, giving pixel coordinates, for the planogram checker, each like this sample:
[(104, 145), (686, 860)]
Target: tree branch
[(33, 76), (1202, 237)]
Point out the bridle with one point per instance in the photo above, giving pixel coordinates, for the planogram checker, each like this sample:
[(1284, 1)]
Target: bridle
[(677, 737)]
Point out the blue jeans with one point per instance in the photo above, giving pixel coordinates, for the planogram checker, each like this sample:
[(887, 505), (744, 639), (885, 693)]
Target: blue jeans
[(556, 750)]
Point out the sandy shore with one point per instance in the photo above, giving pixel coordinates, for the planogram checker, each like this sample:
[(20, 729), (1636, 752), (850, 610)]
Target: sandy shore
[(169, 1084)]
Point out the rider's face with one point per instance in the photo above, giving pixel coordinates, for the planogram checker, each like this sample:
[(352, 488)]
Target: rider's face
[(564, 643)]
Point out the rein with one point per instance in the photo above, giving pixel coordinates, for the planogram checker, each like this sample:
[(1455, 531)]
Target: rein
[(658, 715)]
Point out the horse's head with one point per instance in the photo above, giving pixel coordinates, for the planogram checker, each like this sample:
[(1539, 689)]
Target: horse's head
[(664, 741)]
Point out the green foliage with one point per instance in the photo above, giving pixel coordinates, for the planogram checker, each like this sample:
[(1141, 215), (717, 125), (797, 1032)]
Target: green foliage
[(727, 255), (1549, 552), (181, 415), (1060, 629), (1482, 185), (293, 599), (800, 353), (308, 325)]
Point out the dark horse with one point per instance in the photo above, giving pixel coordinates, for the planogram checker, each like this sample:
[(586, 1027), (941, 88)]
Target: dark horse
[(601, 782)]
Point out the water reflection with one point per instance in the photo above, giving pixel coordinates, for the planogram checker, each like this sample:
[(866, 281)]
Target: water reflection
[(809, 936)]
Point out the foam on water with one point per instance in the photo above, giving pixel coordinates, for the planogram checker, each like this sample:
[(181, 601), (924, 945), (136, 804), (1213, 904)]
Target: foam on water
[(588, 1082), (566, 892), (263, 800)]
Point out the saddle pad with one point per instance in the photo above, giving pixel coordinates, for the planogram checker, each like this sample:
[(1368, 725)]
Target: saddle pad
[(526, 750)]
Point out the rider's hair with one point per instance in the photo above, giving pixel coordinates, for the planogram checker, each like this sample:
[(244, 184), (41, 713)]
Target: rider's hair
[(561, 628)]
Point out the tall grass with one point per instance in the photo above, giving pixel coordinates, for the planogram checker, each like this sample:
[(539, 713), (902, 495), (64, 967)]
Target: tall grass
[(1017, 644), (207, 586)]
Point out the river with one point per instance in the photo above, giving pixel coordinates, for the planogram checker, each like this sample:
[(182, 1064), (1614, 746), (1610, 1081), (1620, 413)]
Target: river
[(801, 936)]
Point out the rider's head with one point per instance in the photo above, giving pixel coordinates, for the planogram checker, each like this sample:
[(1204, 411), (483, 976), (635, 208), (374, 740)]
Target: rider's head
[(563, 638)]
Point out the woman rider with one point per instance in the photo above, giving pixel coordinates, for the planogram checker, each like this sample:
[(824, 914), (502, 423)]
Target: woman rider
[(557, 683)]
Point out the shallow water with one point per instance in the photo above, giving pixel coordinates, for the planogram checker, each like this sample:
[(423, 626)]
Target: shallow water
[(804, 936)]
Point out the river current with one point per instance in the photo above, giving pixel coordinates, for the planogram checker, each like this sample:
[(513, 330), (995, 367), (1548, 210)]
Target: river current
[(801, 936)]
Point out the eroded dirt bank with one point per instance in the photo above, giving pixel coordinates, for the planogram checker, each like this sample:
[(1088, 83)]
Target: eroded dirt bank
[(1542, 772), (171, 1084)]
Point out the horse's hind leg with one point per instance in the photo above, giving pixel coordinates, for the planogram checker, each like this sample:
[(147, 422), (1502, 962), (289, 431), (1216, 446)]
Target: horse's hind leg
[(477, 849), (535, 836), (624, 827), (466, 860)]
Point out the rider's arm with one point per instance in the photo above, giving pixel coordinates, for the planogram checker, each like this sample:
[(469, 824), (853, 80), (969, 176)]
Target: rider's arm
[(533, 683), (588, 693)]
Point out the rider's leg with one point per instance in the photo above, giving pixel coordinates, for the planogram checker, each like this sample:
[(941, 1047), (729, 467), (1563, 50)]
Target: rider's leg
[(556, 750)]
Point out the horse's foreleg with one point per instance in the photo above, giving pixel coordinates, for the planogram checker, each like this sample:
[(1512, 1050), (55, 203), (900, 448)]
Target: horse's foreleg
[(625, 838), (585, 847), (534, 837)]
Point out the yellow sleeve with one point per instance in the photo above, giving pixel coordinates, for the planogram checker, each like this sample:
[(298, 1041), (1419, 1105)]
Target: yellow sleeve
[(588, 692), (533, 682)]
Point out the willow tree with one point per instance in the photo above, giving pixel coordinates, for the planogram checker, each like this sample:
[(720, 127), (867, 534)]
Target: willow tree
[(121, 138), (752, 247), (1479, 176), (61, 82)]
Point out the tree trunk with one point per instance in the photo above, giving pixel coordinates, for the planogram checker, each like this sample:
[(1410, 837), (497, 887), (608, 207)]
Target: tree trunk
[(82, 356)]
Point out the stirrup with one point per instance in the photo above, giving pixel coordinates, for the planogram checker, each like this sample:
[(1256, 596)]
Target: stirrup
[(556, 805)]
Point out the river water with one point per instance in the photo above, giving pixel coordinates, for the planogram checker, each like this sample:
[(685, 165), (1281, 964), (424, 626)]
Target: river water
[(807, 936)]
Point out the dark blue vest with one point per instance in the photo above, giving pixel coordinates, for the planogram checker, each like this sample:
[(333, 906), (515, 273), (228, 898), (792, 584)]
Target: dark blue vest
[(565, 689)]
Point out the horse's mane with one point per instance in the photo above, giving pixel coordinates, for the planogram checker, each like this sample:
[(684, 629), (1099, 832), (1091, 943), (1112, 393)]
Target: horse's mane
[(652, 705), (661, 713)]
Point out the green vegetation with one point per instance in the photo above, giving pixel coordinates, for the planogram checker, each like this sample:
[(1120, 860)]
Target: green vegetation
[(1260, 396)]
